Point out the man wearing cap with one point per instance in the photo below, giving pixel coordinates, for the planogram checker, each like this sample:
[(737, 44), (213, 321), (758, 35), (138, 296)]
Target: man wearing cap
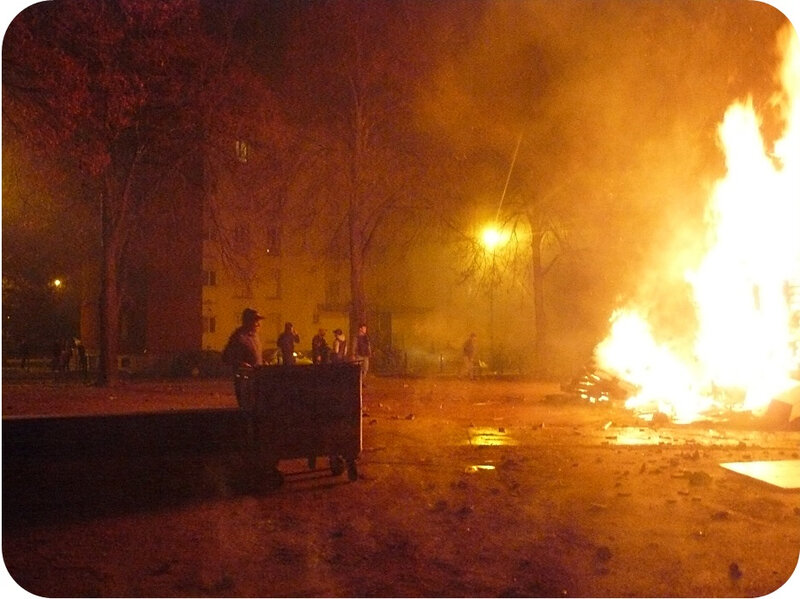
[(243, 349)]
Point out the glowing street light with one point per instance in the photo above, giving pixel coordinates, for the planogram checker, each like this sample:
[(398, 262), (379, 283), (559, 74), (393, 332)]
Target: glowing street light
[(493, 238)]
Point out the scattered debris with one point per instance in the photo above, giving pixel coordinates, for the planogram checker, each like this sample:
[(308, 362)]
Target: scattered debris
[(659, 419), (784, 410), (699, 479), (465, 511), (595, 385)]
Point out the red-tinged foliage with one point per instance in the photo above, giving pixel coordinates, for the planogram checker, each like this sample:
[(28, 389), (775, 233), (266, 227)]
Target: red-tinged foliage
[(129, 94), (44, 87)]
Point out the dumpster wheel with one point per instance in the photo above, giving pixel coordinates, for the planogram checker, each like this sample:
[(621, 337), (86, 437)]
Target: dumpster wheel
[(275, 478), (352, 472), (337, 465)]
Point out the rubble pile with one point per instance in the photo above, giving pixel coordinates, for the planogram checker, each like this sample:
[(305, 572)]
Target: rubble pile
[(596, 385)]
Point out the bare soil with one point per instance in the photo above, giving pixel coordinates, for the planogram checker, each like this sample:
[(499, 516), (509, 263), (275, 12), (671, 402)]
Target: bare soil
[(465, 489)]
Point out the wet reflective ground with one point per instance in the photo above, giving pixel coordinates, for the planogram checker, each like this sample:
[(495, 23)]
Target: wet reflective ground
[(465, 489)]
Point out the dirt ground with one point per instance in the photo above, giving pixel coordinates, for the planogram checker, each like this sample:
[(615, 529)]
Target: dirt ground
[(465, 489)]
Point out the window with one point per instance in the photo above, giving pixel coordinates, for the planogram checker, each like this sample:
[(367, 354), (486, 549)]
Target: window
[(209, 278), (333, 295), (273, 242), (242, 151), (241, 240), (244, 290), (272, 283), (209, 324)]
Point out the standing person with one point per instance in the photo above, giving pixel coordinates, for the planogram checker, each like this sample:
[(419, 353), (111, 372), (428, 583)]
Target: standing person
[(66, 355), (243, 349), (470, 351), (319, 348), (363, 349), (286, 341), (339, 351), (24, 352), (83, 361), (55, 356), (55, 361)]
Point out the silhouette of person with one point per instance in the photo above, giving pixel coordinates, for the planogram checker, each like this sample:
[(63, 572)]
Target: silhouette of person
[(286, 341), (320, 348), (339, 350), (243, 349)]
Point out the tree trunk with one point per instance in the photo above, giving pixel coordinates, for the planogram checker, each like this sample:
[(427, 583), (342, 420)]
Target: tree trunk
[(358, 303), (109, 298), (540, 323), (356, 218)]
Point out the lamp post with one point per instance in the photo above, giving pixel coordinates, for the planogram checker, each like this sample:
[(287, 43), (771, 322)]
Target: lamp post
[(492, 239)]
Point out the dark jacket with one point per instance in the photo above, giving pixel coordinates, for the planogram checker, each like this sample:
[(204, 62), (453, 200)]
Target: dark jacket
[(363, 346), (286, 341), (243, 349)]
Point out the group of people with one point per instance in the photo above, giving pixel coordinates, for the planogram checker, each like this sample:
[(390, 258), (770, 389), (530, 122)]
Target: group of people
[(322, 353), (65, 353), (244, 349)]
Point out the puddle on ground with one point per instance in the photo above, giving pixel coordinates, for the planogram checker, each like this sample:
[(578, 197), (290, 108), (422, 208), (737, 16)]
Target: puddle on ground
[(648, 436), (489, 437), (478, 468)]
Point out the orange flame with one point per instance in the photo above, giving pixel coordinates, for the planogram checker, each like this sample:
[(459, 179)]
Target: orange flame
[(745, 289)]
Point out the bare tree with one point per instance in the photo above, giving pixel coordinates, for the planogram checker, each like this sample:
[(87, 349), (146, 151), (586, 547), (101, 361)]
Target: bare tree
[(355, 73)]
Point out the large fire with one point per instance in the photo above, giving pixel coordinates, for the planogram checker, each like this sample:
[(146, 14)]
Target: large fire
[(745, 289)]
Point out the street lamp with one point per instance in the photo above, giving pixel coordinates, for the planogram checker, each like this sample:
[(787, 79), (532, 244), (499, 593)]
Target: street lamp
[(493, 239)]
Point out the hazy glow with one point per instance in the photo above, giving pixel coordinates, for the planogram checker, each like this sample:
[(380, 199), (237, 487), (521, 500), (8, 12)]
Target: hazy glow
[(746, 342), (493, 238)]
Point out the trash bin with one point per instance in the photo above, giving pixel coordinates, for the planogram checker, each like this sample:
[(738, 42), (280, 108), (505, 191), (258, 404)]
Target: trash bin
[(304, 411)]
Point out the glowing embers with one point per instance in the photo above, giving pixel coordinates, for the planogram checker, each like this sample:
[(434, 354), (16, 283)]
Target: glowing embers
[(637, 436), (780, 473), (489, 437)]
